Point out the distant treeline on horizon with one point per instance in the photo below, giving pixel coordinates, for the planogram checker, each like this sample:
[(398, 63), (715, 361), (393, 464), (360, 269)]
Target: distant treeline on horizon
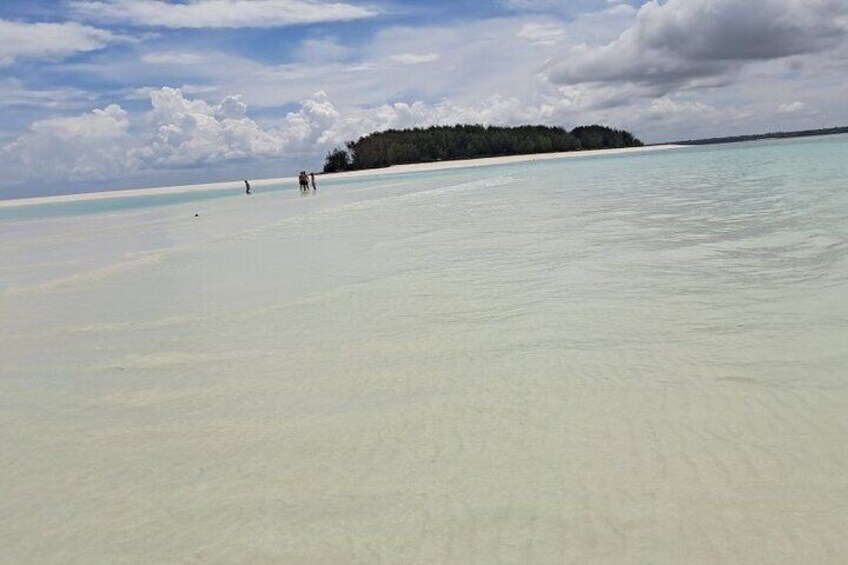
[(772, 135), (446, 143)]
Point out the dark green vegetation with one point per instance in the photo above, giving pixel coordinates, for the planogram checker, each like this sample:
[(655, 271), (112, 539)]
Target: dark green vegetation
[(773, 135), (444, 143)]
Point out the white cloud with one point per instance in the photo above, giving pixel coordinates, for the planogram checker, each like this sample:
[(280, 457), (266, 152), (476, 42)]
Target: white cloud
[(171, 58), (791, 107), (733, 30), (532, 4), (14, 92), (179, 131), (218, 13), (109, 123), (415, 58), (485, 58), (187, 132), (49, 40), (86, 146), (176, 132), (675, 42), (559, 6), (321, 50), (541, 34), (475, 60)]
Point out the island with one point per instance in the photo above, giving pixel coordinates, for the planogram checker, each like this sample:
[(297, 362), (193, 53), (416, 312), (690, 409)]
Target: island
[(448, 143)]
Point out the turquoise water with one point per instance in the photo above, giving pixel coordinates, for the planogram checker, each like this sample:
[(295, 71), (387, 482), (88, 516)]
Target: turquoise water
[(610, 359), (830, 150), (117, 203)]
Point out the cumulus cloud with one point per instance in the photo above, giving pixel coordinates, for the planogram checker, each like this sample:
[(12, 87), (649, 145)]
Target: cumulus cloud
[(49, 40), (86, 146), (182, 131), (179, 131), (677, 41), (218, 13)]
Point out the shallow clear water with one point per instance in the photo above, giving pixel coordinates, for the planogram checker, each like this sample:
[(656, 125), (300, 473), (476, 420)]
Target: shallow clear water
[(625, 358)]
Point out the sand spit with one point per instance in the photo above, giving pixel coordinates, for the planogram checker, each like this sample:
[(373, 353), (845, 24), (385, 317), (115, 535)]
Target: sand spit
[(488, 161), (258, 183)]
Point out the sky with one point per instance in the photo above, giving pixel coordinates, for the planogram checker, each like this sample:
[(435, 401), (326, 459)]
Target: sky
[(111, 94)]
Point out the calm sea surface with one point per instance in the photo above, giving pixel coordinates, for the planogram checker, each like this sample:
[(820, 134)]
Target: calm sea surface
[(633, 358)]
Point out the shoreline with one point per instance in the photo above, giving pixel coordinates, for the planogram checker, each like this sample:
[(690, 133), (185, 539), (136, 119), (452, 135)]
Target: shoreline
[(503, 160), (238, 184)]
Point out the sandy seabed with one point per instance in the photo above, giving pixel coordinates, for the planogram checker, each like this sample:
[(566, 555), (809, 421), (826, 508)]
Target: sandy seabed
[(444, 369)]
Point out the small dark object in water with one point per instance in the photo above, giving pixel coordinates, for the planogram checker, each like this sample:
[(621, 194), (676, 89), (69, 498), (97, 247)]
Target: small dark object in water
[(196, 215)]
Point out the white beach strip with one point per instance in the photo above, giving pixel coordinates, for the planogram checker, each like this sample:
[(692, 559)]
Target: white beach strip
[(488, 161), (237, 185)]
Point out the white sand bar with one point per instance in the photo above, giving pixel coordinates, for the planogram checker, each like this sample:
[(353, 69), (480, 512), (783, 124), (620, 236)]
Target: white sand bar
[(635, 360), (238, 185), (489, 161)]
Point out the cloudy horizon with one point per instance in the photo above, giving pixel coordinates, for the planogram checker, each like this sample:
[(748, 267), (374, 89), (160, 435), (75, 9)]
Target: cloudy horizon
[(103, 94)]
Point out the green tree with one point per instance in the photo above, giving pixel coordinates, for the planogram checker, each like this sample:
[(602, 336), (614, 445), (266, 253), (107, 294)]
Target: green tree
[(466, 141), (337, 160)]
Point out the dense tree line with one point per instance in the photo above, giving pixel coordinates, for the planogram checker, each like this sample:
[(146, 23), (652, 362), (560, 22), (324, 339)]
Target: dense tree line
[(601, 137), (443, 143)]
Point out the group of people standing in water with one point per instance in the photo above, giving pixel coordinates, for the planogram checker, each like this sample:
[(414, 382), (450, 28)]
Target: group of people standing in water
[(304, 179)]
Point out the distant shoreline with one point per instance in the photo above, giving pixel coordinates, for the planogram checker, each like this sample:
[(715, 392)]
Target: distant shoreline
[(238, 185), (760, 136)]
